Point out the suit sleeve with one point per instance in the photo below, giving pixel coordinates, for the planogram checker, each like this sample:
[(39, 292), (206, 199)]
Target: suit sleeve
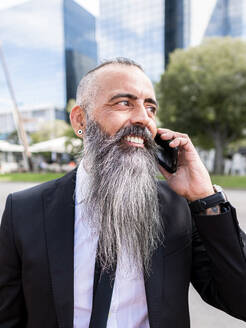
[(219, 262), (12, 308)]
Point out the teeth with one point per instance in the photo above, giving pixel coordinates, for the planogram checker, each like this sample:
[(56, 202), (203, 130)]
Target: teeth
[(134, 139)]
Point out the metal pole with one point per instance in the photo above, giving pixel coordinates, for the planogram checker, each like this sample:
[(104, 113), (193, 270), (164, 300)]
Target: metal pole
[(17, 117)]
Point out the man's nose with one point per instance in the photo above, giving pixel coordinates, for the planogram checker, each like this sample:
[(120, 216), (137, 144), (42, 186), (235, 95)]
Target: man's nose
[(140, 116)]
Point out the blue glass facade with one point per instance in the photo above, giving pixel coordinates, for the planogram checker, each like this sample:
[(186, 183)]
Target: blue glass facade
[(49, 45), (177, 25), (80, 44), (228, 18), (134, 29)]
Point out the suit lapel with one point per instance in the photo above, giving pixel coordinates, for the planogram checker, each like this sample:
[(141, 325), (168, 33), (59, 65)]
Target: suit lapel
[(59, 225), (154, 284)]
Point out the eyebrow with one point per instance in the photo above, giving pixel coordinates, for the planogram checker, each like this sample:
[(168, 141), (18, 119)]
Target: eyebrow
[(124, 95), (131, 96), (152, 101)]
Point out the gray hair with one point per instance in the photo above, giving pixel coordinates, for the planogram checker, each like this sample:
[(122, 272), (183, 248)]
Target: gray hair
[(86, 90)]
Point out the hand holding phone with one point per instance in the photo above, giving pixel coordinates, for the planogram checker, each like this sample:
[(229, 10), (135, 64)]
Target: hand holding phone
[(192, 181), (166, 155)]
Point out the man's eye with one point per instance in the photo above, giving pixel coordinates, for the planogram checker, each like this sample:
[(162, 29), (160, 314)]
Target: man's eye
[(152, 109), (123, 102)]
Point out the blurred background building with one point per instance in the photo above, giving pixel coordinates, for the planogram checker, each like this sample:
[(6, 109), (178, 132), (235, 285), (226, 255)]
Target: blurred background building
[(48, 46), (145, 31), (217, 18), (227, 18), (33, 116), (79, 43), (177, 25)]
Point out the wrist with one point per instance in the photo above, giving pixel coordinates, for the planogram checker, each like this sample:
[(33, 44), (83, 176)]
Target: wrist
[(209, 205), (202, 195)]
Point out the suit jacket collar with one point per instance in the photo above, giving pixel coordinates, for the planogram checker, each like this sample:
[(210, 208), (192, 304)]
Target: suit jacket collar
[(154, 288), (59, 225)]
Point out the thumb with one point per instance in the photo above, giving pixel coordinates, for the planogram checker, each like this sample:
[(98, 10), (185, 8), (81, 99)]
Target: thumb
[(164, 172)]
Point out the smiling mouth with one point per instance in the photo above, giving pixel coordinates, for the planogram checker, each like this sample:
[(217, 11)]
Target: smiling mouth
[(135, 141)]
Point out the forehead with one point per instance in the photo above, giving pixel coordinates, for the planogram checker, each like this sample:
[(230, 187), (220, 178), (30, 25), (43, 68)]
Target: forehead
[(123, 78)]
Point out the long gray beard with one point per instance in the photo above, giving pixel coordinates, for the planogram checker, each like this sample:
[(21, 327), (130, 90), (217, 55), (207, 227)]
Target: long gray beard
[(123, 196)]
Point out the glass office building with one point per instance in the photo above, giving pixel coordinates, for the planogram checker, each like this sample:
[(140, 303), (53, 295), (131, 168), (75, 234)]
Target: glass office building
[(136, 29), (228, 18), (48, 46), (79, 43), (177, 25)]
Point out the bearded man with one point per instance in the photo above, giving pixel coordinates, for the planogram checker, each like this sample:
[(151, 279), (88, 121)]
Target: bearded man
[(110, 246)]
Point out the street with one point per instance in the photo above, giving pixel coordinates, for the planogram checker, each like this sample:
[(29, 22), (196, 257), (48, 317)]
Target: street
[(202, 315)]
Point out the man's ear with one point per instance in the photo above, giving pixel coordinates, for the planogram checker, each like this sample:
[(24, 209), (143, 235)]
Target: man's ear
[(78, 120)]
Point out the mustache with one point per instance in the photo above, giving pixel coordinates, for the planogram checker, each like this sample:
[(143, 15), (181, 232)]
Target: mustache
[(135, 130), (106, 141)]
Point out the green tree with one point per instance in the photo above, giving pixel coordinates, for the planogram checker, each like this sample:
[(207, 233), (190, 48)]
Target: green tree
[(13, 137), (75, 147), (203, 93), (70, 104), (50, 130)]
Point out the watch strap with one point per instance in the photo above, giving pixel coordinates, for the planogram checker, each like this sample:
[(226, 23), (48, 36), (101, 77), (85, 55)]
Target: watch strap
[(201, 205)]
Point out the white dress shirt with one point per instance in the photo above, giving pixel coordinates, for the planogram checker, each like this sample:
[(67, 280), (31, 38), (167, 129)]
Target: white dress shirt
[(128, 307)]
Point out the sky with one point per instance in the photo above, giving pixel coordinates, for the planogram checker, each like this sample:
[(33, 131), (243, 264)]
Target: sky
[(90, 5), (200, 13)]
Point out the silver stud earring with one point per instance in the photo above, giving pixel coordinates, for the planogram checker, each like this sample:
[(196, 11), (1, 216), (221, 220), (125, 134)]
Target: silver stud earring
[(80, 132)]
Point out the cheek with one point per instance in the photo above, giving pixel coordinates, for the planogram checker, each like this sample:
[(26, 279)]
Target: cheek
[(112, 122)]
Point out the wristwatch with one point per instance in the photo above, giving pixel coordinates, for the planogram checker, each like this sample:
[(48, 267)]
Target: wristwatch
[(200, 205)]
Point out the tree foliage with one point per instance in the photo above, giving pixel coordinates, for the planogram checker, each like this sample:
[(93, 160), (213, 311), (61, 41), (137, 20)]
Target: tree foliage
[(203, 93), (50, 130), (75, 147), (70, 104), (13, 137)]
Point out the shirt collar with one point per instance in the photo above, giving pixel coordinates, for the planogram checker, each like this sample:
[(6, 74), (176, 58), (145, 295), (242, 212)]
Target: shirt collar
[(82, 182)]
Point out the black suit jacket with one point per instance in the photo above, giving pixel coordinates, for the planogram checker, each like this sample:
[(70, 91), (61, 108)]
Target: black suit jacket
[(37, 251)]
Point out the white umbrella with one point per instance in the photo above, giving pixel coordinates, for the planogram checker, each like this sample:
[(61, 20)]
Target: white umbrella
[(56, 145), (8, 147)]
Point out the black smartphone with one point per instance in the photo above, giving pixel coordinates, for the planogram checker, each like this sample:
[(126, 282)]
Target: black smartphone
[(166, 155)]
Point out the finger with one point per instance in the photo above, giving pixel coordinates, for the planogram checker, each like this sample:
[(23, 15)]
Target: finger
[(169, 134), (182, 143), (164, 172), (163, 130)]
